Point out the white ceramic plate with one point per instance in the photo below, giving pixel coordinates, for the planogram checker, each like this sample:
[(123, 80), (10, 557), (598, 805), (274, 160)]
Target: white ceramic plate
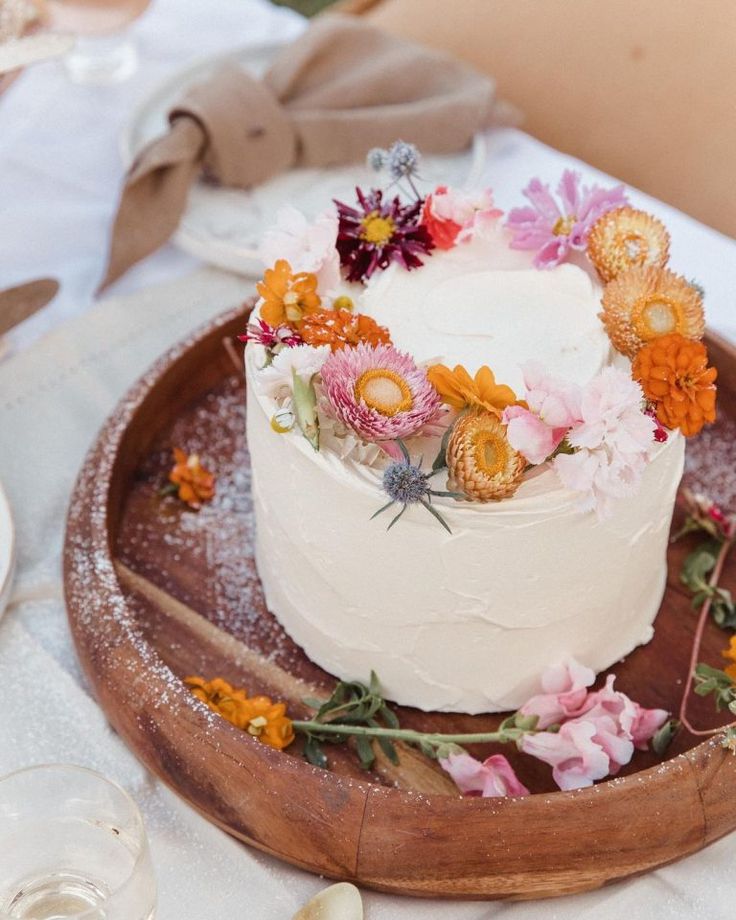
[(223, 225), (7, 551)]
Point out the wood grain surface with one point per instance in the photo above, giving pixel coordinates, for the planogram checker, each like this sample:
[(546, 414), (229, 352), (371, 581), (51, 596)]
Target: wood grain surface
[(156, 592)]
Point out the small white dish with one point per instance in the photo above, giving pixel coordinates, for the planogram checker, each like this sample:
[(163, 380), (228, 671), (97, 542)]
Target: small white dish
[(7, 551), (223, 226)]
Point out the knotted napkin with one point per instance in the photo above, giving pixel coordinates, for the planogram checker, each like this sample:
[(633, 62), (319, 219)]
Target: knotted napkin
[(340, 89)]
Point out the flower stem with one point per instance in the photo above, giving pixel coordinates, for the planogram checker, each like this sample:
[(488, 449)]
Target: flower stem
[(407, 734), (700, 629)]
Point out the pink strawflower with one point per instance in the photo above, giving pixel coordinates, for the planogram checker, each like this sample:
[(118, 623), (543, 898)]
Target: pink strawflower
[(307, 247), (565, 689), (554, 229), (262, 333), (379, 392), (612, 442), (494, 777), (452, 216), (554, 406)]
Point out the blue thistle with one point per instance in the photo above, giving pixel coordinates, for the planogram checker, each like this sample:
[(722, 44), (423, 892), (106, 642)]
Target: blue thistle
[(403, 160), (406, 485), (377, 159)]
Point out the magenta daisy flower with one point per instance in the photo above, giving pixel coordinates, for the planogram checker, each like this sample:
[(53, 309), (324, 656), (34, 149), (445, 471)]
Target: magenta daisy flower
[(379, 392), (554, 229), (377, 233)]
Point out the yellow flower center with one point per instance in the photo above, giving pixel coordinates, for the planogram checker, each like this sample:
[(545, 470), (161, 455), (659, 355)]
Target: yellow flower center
[(563, 225), (256, 726), (343, 303), (655, 315), (634, 246), (293, 306), (376, 229), (490, 453), (384, 390)]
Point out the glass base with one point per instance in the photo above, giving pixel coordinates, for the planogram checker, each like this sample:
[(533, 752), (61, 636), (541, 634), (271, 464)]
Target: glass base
[(58, 897), (101, 60)]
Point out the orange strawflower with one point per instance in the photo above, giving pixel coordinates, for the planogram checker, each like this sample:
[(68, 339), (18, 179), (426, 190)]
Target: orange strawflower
[(461, 391), (480, 461), (674, 374), (730, 653), (194, 483), (624, 238), (646, 302), (259, 715), (342, 329), (287, 298)]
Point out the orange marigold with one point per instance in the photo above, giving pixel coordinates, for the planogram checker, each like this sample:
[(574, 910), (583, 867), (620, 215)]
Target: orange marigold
[(259, 715), (287, 298), (730, 653), (674, 374), (194, 483), (342, 329), (461, 391)]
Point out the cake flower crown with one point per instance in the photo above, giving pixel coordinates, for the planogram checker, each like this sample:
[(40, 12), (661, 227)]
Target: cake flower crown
[(327, 366)]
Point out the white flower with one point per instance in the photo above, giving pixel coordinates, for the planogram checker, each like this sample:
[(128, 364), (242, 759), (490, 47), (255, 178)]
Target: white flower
[(276, 380), (306, 247), (612, 442)]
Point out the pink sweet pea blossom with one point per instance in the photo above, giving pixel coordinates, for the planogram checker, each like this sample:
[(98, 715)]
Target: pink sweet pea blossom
[(565, 689), (554, 406), (599, 730), (494, 777), (452, 216), (612, 441), (307, 247), (554, 229)]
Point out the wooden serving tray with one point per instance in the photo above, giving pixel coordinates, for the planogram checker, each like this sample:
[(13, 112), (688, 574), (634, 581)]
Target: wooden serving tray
[(156, 592)]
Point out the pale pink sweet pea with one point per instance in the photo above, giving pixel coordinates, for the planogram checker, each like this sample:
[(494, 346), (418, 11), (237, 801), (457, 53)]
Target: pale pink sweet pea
[(565, 689), (493, 777), (554, 406), (553, 229), (307, 247), (452, 216), (575, 757)]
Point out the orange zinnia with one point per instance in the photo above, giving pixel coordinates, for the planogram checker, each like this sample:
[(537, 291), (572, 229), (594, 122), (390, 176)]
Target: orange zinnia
[(259, 715), (342, 329), (674, 374), (730, 653), (194, 483), (287, 298), (461, 391)]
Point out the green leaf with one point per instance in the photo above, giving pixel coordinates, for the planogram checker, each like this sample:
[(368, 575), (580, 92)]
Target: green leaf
[(429, 750), (314, 753), (312, 702), (440, 461), (663, 737), (364, 749), (389, 749), (697, 566), (305, 408), (389, 717)]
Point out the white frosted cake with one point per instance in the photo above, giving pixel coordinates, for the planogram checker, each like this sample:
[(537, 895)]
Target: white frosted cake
[(559, 481)]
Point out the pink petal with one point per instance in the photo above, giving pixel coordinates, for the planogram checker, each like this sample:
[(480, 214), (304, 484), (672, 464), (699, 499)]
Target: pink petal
[(492, 778), (568, 190)]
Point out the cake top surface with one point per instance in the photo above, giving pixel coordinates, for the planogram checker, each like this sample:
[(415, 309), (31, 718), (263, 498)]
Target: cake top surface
[(484, 303)]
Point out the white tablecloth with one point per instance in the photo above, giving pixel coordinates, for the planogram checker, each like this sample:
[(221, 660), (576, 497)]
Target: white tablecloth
[(59, 170)]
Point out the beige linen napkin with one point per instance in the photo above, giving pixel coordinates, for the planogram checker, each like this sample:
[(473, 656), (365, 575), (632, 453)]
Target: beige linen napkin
[(340, 89)]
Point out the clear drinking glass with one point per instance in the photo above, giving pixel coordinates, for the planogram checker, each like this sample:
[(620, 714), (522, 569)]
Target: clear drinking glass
[(72, 847), (104, 51)]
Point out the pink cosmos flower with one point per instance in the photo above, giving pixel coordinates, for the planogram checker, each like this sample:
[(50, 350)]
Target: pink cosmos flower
[(554, 229), (565, 689), (379, 392), (493, 777), (307, 247), (554, 406), (612, 441), (452, 216)]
